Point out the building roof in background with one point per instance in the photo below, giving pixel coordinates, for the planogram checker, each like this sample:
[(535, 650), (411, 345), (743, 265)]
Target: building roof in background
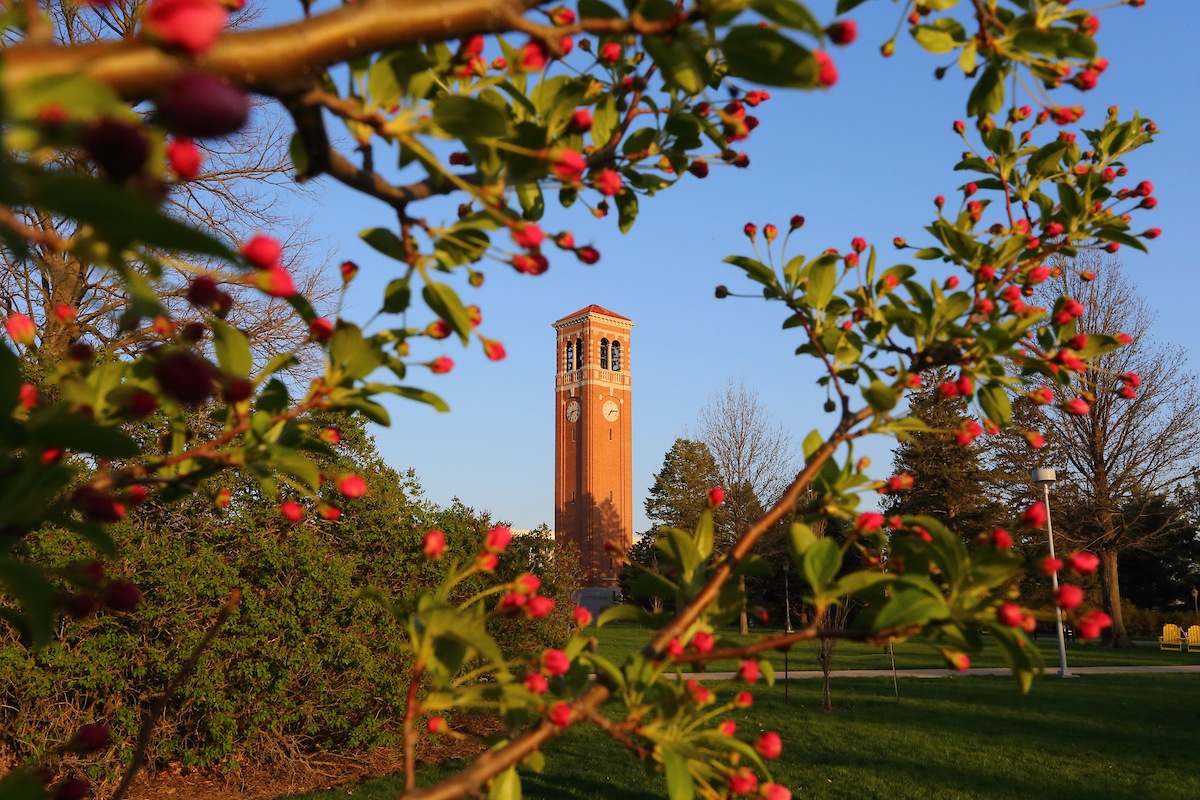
[(594, 309)]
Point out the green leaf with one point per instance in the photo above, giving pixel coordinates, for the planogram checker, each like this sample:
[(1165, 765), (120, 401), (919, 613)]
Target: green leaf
[(910, 607), (533, 205), (754, 566), (397, 296), (821, 563), (298, 466), (880, 396), (636, 142), (968, 58), (121, 217), (233, 351), (1045, 160), (298, 154), (535, 761), (1114, 235), (86, 97), (85, 436), (28, 584), (348, 349), (988, 95), (383, 86), (812, 443), (23, 783), (422, 396), (822, 278), (801, 539), (407, 63), (767, 670), (651, 584), (627, 209), (995, 403), (679, 780), (768, 57), (444, 302), (372, 411), (704, 535), (859, 581), (469, 118), (789, 14), (1050, 42), (604, 119), (620, 614), (681, 61), (506, 785), (940, 37), (847, 5), (755, 270), (385, 242), (522, 168), (278, 363), (597, 9)]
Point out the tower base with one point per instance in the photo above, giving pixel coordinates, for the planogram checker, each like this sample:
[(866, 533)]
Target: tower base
[(597, 598)]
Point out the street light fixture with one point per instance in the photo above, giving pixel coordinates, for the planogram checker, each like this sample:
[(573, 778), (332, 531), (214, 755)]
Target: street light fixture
[(1045, 477)]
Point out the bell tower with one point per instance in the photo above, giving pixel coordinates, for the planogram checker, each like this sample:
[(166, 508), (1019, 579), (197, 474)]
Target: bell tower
[(593, 482)]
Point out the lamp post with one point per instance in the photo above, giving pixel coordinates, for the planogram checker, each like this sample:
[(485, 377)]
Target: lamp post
[(787, 600), (1045, 477)]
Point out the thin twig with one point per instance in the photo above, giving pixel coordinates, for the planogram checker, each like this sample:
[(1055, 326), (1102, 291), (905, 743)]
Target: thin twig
[(617, 733), (185, 671), (410, 735)]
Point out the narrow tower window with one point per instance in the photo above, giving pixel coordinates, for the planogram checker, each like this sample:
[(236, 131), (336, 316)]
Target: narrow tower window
[(604, 354), (579, 353), (570, 356), (616, 356)]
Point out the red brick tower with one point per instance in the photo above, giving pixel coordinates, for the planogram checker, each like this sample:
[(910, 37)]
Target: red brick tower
[(593, 484)]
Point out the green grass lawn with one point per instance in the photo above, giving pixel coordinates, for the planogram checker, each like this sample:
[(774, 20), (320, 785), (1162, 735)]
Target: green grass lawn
[(1100, 737), (617, 640)]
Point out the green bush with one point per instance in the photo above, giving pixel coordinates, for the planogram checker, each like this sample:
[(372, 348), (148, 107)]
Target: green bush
[(303, 664)]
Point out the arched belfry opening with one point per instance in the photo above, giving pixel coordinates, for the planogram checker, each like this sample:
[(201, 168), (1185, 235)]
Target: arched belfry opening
[(593, 491)]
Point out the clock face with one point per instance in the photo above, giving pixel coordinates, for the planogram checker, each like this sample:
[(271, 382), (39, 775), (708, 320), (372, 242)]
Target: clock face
[(572, 411), (611, 411)]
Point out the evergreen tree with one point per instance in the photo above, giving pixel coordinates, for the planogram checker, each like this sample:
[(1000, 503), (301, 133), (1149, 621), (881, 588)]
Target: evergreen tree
[(949, 479), (680, 491)]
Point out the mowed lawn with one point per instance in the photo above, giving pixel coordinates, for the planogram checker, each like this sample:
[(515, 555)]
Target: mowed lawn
[(618, 640), (1100, 737)]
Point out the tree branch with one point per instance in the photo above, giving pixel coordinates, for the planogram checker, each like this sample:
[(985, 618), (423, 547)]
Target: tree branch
[(273, 61), (185, 671), (739, 551)]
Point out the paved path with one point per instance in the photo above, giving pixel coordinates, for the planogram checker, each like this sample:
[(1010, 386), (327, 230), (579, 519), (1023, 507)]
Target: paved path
[(1051, 670)]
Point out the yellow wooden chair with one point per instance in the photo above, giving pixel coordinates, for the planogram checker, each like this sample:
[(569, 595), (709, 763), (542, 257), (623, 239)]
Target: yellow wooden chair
[(1193, 639), (1170, 639)]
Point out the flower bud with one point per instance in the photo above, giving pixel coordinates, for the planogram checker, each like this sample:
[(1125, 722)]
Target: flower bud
[(20, 328), (192, 26), (199, 105), (184, 157), (118, 148), (433, 544)]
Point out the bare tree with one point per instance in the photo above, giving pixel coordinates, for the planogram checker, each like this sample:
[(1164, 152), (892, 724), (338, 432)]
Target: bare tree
[(237, 193), (835, 617), (1123, 452), (754, 455)]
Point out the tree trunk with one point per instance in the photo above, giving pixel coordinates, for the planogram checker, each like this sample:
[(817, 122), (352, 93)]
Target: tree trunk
[(1116, 635), (826, 657), (745, 622)]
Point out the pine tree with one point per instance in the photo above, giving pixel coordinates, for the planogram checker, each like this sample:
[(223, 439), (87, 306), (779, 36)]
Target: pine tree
[(680, 491), (949, 479)]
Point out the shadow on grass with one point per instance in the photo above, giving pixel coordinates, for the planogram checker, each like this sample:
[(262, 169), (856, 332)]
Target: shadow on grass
[(1110, 737)]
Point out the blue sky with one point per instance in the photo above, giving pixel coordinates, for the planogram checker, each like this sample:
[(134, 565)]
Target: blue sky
[(864, 159)]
